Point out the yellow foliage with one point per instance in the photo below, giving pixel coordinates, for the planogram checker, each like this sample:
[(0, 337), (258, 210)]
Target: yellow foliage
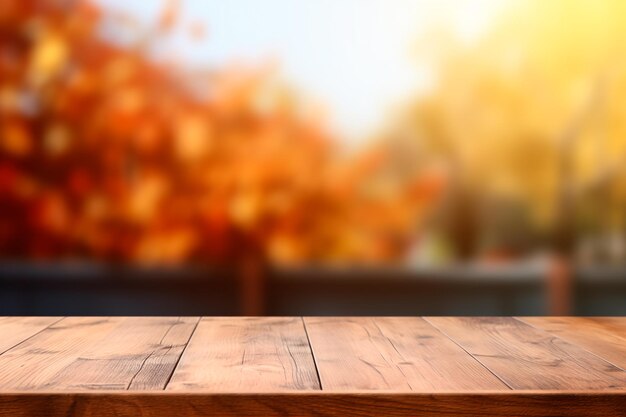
[(546, 84)]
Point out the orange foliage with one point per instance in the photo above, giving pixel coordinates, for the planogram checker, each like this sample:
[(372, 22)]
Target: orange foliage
[(105, 154)]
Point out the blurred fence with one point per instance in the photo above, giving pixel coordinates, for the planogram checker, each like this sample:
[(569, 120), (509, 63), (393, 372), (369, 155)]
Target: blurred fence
[(522, 289)]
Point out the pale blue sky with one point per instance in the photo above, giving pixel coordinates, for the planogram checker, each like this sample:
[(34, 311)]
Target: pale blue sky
[(355, 56)]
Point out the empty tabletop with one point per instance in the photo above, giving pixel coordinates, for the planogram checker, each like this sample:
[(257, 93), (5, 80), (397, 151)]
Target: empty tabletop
[(312, 366)]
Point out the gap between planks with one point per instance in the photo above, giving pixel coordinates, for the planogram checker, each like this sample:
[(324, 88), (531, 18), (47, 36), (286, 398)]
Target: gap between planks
[(529, 357), (33, 335), (311, 351), (169, 378), (406, 354), (117, 353), (275, 355), (466, 351), (308, 339), (568, 340)]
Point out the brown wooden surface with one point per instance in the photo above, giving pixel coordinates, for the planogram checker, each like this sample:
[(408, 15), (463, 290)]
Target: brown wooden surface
[(606, 337), (14, 330), (392, 353), (528, 358), (309, 404), (247, 354), (97, 353), (280, 366)]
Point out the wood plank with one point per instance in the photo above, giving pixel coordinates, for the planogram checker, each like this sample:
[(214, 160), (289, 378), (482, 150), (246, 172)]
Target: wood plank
[(314, 404), (247, 354), (14, 330), (528, 358), (158, 367), (606, 336), (392, 353), (97, 353)]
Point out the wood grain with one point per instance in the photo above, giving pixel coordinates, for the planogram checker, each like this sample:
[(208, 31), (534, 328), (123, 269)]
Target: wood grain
[(97, 353), (247, 354), (14, 330), (528, 358), (606, 336), (392, 353), (396, 367), (312, 404)]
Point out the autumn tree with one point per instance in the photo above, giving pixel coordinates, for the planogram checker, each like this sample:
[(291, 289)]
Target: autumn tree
[(531, 113)]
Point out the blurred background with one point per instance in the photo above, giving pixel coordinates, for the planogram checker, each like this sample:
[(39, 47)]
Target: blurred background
[(354, 157)]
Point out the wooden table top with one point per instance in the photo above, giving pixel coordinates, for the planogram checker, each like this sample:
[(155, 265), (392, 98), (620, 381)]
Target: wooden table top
[(312, 366)]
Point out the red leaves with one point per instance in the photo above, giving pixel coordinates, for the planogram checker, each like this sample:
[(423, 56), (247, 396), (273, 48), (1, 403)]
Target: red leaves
[(107, 154)]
